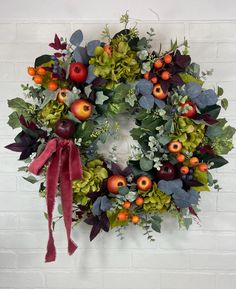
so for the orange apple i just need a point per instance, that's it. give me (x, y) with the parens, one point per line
(114, 182)
(144, 183)
(158, 92)
(61, 96)
(81, 108)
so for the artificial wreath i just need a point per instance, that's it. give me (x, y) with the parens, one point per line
(72, 108)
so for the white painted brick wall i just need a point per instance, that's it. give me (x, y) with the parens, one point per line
(202, 258)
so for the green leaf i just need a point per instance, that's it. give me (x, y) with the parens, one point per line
(23, 169)
(18, 104)
(31, 179)
(71, 116)
(42, 59)
(13, 120)
(224, 103)
(70, 98)
(218, 161)
(48, 96)
(156, 223)
(123, 190)
(220, 91)
(101, 97)
(145, 164)
(187, 222)
(45, 215)
(187, 78)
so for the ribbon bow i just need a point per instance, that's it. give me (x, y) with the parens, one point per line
(65, 166)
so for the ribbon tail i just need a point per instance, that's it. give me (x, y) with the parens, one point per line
(51, 187)
(67, 198)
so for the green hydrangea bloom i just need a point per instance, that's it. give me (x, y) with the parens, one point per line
(93, 176)
(51, 113)
(188, 133)
(122, 63)
(155, 200)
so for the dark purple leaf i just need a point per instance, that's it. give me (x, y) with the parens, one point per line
(207, 118)
(176, 79)
(92, 220)
(192, 211)
(95, 231)
(25, 154)
(164, 85)
(181, 60)
(207, 149)
(115, 168)
(104, 222)
(57, 54)
(16, 147)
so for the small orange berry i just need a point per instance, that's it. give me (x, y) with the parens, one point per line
(180, 158)
(167, 58)
(158, 64)
(146, 75)
(184, 170)
(203, 167)
(41, 71)
(122, 216)
(37, 79)
(194, 161)
(154, 80)
(139, 201)
(165, 75)
(135, 219)
(126, 205)
(31, 71)
(52, 85)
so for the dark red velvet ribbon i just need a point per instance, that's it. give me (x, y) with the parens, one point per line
(64, 166)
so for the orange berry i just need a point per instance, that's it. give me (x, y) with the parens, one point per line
(135, 219)
(52, 85)
(165, 75)
(31, 71)
(167, 58)
(41, 71)
(158, 64)
(122, 216)
(38, 79)
(184, 170)
(126, 205)
(154, 80)
(194, 161)
(180, 158)
(146, 75)
(139, 201)
(203, 167)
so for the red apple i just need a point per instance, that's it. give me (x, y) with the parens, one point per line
(65, 128)
(81, 108)
(114, 182)
(166, 172)
(78, 72)
(192, 110)
(144, 183)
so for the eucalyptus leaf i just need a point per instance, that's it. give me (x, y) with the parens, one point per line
(76, 38)
(145, 164)
(146, 101)
(224, 103)
(91, 46)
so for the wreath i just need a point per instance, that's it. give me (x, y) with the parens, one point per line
(72, 111)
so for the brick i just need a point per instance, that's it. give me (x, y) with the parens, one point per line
(7, 260)
(6, 130)
(226, 51)
(224, 31)
(10, 162)
(7, 32)
(182, 280)
(160, 260)
(222, 71)
(7, 72)
(21, 72)
(208, 202)
(8, 183)
(140, 279)
(226, 281)
(8, 221)
(202, 51)
(20, 280)
(41, 32)
(32, 221)
(10, 90)
(226, 241)
(20, 52)
(226, 202)
(83, 280)
(226, 262)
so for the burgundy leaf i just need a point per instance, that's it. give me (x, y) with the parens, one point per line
(192, 211)
(207, 118)
(95, 231)
(16, 147)
(206, 149)
(104, 222)
(57, 54)
(181, 60)
(92, 220)
(25, 154)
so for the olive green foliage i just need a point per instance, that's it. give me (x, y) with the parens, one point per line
(51, 113)
(93, 176)
(188, 133)
(155, 200)
(122, 63)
